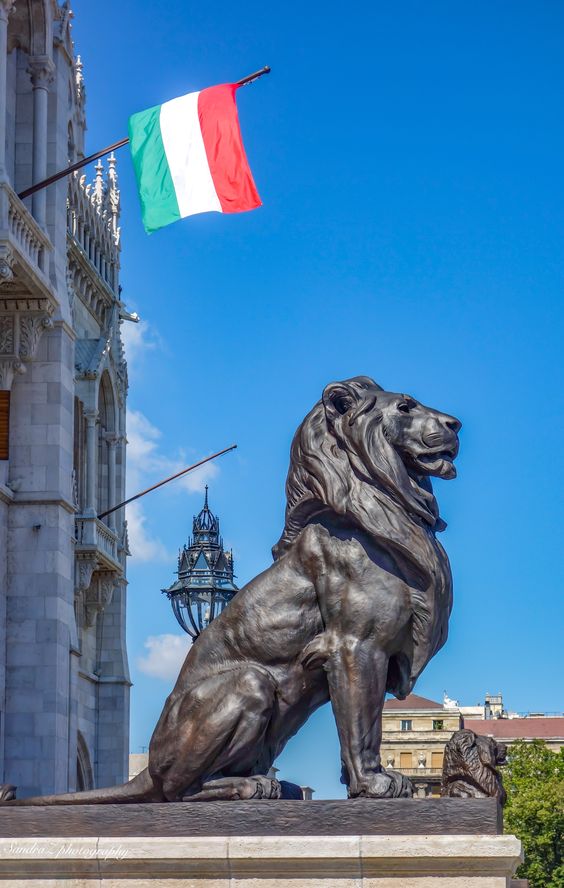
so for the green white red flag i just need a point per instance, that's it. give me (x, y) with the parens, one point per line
(189, 158)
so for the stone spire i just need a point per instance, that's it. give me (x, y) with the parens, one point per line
(79, 80)
(113, 198)
(99, 183)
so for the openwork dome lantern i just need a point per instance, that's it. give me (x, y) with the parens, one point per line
(205, 575)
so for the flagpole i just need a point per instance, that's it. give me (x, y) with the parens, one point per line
(165, 481)
(113, 147)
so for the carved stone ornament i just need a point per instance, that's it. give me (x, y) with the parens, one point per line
(360, 528)
(85, 567)
(124, 539)
(7, 335)
(9, 369)
(98, 596)
(42, 71)
(31, 328)
(6, 265)
(84, 571)
(74, 490)
(20, 332)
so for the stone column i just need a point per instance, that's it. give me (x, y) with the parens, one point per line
(5, 9)
(112, 491)
(91, 474)
(41, 69)
(120, 514)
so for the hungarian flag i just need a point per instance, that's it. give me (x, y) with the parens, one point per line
(189, 158)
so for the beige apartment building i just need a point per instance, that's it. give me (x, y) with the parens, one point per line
(415, 731)
(414, 734)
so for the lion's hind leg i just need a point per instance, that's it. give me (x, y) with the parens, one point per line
(220, 727)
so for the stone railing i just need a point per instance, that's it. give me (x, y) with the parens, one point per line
(22, 232)
(106, 540)
(93, 536)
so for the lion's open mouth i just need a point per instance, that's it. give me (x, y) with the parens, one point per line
(439, 462)
(436, 455)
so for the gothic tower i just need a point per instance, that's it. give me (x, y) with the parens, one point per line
(64, 679)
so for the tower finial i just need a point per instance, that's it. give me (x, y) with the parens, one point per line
(206, 499)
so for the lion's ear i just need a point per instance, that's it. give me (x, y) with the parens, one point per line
(338, 399)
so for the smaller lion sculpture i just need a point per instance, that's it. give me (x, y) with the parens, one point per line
(470, 767)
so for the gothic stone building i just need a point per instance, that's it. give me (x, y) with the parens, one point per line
(64, 680)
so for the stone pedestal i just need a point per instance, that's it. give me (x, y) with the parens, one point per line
(428, 844)
(261, 862)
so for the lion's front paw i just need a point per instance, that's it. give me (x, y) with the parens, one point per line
(384, 785)
(233, 789)
(7, 792)
(258, 787)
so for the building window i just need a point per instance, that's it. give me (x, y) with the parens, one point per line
(406, 724)
(406, 760)
(438, 724)
(437, 760)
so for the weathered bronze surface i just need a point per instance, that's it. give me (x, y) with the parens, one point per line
(470, 767)
(364, 817)
(356, 604)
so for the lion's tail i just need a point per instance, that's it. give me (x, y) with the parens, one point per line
(141, 789)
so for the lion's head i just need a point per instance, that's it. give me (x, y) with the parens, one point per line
(470, 767)
(366, 455)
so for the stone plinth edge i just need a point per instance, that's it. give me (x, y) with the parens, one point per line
(353, 861)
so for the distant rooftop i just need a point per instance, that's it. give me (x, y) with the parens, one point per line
(413, 701)
(518, 728)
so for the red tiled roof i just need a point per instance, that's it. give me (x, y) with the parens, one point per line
(413, 701)
(519, 728)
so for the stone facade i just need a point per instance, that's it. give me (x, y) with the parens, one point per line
(64, 679)
(414, 733)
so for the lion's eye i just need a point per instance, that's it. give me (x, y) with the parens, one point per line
(406, 405)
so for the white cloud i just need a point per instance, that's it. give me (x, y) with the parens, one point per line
(165, 655)
(196, 481)
(146, 465)
(147, 458)
(138, 339)
(142, 544)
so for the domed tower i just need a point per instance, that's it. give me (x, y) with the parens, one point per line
(205, 575)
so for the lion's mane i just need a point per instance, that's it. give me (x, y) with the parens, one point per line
(328, 473)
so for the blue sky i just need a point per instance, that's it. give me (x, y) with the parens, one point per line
(409, 158)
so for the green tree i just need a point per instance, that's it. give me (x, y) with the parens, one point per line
(534, 781)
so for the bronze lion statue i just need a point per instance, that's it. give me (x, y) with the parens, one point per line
(470, 767)
(355, 604)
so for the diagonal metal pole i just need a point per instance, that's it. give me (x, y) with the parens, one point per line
(250, 78)
(165, 481)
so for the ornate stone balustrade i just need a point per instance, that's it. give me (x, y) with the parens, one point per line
(95, 538)
(27, 301)
(24, 246)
